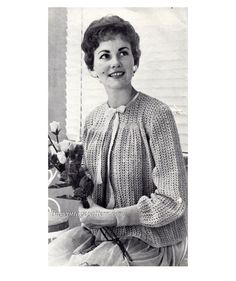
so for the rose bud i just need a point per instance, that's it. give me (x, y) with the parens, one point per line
(55, 127)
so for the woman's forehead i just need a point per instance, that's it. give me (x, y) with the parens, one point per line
(114, 41)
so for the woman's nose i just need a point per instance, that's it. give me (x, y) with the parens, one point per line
(115, 62)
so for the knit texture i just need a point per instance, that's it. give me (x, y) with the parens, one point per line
(146, 169)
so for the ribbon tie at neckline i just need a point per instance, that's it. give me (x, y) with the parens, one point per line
(111, 111)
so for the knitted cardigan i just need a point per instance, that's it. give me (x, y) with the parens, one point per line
(146, 169)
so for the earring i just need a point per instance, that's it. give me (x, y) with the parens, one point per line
(93, 74)
(134, 68)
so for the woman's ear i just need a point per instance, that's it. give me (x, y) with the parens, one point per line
(93, 73)
(135, 69)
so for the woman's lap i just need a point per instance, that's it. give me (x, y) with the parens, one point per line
(78, 247)
(61, 249)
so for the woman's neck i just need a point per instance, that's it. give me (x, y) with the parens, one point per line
(118, 97)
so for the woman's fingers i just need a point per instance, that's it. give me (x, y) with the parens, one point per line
(92, 222)
(96, 216)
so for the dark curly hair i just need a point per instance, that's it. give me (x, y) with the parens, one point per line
(104, 29)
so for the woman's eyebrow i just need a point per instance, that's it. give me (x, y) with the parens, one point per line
(107, 51)
(123, 48)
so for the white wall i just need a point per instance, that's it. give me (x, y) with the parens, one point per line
(163, 65)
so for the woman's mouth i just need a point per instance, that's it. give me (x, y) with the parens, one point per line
(116, 74)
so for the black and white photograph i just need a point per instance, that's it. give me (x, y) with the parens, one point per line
(117, 140)
(117, 136)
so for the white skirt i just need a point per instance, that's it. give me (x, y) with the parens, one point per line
(79, 247)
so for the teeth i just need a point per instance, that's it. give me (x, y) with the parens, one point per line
(117, 74)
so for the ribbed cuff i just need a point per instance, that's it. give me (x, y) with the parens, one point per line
(127, 216)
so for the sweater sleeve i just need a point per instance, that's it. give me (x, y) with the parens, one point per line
(168, 202)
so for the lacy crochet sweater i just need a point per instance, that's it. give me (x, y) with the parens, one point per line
(146, 169)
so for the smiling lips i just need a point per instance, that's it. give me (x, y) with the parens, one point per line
(117, 74)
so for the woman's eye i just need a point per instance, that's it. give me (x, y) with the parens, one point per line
(104, 56)
(124, 53)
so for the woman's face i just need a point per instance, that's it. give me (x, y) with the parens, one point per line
(114, 63)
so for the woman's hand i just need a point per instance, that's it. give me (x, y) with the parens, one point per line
(96, 216)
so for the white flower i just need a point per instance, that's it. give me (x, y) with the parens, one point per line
(55, 127)
(64, 145)
(61, 157)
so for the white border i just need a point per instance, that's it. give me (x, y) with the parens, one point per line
(120, 3)
(211, 144)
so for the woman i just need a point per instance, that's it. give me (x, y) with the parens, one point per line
(133, 154)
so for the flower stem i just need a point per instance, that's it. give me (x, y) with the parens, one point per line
(53, 143)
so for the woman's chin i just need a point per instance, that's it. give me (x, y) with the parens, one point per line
(118, 84)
